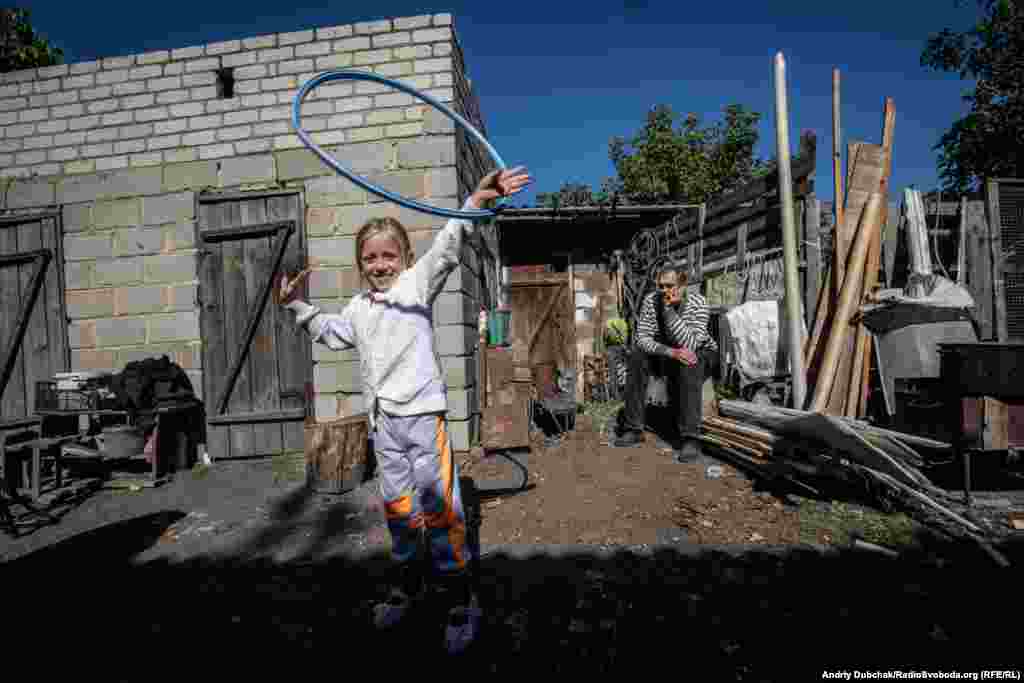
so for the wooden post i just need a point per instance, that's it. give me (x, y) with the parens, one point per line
(741, 259)
(996, 254)
(961, 250)
(812, 249)
(790, 254)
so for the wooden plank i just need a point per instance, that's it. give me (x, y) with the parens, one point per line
(261, 418)
(34, 352)
(294, 355)
(812, 257)
(995, 235)
(979, 268)
(262, 355)
(236, 317)
(995, 434)
(215, 364)
(56, 314)
(12, 400)
(890, 244)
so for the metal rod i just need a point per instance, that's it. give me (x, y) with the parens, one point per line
(789, 239)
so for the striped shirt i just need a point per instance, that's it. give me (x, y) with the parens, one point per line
(687, 328)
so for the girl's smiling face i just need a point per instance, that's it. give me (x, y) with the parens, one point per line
(381, 261)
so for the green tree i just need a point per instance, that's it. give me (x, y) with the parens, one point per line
(989, 140)
(690, 162)
(20, 46)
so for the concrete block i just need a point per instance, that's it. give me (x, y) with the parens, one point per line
(163, 128)
(151, 114)
(224, 46)
(109, 163)
(351, 44)
(452, 308)
(138, 241)
(145, 72)
(297, 164)
(203, 137)
(117, 213)
(406, 23)
(187, 109)
(194, 175)
(404, 183)
(170, 268)
(442, 49)
(140, 131)
(182, 297)
(238, 59)
(324, 284)
(295, 66)
(391, 39)
(165, 83)
(33, 115)
(80, 247)
(438, 151)
(78, 275)
(93, 360)
(187, 52)
(120, 331)
(462, 403)
(148, 159)
(29, 158)
(373, 56)
(198, 80)
(67, 110)
(53, 71)
(77, 217)
(179, 237)
(413, 52)
(335, 61)
(333, 190)
(116, 119)
(432, 35)
(136, 300)
(321, 221)
(63, 154)
(130, 147)
(75, 82)
(29, 194)
(295, 37)
(217, 151)
(462, 433)
(248, 169)
(370, 27)
(332, 32)
(313, 49)
(168, 208)
(173, 97)
(111, 185)
(459, 371)
(208, 64)
(287, 142)
(402, 130)
(82, 335)
(276, 55)
(116, 272)
(253, 146)
(90, 304)
(219, 106)
(332, 252)
(326, 407)
(79, 167)
(178, 326)
(456, 340)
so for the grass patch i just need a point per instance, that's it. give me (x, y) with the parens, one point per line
(835, 521)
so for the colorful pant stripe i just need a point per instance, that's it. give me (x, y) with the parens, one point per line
(419, 482)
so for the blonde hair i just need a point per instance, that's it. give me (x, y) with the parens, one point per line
(383, 226)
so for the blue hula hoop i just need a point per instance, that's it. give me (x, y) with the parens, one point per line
(354, 75)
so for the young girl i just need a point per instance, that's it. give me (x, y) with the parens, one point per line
(391, 327)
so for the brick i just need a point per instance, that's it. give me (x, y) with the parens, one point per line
(32, 193)
(172, 97)
(130, 88)
(459, 371)
(372, 56)
(28, 158)
(206, 93)
(112, 77)
(63, 154)
(73, 82)
(145, 72)
(276, 55)
(32, 115)
(118, 62)
(216, 151)
(170, 127)
(336, 61)
(392, 69)
(182, 297)
(78, 275)
(432, 65)
(367, 27)
(351, 44)
(405, 183)
(111, 163)
(199, 79)
(114, 185)
(287, 142)
(424, 153)
(393, 100)
(130, 147)
(177, 156)
(118, 213)
(443, 19)
(455, 340)
(234, 133)
(170, 268)
(253, 146)
(178, 237)
(53, 71)
(297, 164)
(168, 208)
(84, 67)
(224, 46)
(148, 159)
(163, 142)
(137, 101)
(187, 52)
(77, 217)
(91, 304)
(189, 109)
(157, 57)
(101, 106)
(118, 271)
(406, 23)
(120, 331)
(275, 128)
(240, 59)
(20, 131)
(313, 49)
(138, 131)
(263, 100)
(193, 175)
(77, 248)
(151, 114)
(200, 122)
(218, 106)
(208, 64)
(115, 118)
(294, 37)
(236, 118)
(332, 137)
(252, 71)
(79, 167)
(101, 135)
(295, 66)
(275, 114)
(37, 142)
(332, 252)
(392, 39)
(249, 169)
(432, 35)
(204, 137)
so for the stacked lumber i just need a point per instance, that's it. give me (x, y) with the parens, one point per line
(838, 353)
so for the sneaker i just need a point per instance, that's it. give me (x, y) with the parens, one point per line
(463, 624)
(629, 439)
(689, 452)
(389, 613)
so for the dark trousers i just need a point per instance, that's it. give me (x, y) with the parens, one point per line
(685, 390)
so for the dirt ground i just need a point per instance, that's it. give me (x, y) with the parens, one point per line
(586, 491)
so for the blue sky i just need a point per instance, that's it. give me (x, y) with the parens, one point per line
(557, 80)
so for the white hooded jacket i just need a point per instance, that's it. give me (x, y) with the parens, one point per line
(393, 331)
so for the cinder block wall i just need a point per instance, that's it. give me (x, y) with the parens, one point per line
(121, 147)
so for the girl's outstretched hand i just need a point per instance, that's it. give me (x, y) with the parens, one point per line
(501, 183)
(285, 292)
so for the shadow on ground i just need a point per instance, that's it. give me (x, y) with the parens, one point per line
(737, 613)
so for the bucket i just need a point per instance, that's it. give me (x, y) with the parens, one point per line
(497, 327)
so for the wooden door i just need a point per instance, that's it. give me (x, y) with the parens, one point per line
(543, 320)
(256, 361)
(33, 321)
